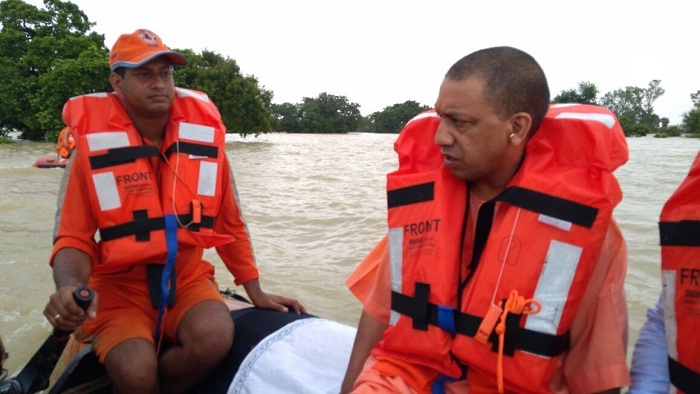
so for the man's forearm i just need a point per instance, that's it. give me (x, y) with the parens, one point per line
(71, 267)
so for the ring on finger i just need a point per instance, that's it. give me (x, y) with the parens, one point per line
(57, 317)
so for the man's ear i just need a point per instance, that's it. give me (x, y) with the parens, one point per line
(116, 81)
(521, 123)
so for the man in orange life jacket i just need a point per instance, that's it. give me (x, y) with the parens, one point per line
(667, 352)
(151, 176)
(470, 306)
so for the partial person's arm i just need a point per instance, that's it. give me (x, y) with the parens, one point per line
(650, 357)
(371, 283)
(73, 251)
(597, 359)
(369, 332)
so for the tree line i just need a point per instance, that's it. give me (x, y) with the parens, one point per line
(49, 55)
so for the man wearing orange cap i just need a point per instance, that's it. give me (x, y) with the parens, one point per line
(150, 176)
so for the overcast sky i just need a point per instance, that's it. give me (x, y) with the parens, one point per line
(378, 53)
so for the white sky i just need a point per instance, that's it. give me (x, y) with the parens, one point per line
(381, 52)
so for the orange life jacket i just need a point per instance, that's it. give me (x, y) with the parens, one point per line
(679, 228)
(543, 242)
(65, 143)
(128, 200)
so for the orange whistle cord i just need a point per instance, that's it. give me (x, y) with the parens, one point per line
(516, 304)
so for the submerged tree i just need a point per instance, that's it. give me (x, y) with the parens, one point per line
(585, 93)
(393, 118)
(49, 55)
(46, 56)
(245, 107)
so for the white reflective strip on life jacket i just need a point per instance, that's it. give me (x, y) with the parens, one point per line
(107, 140)
(552, 221)
(553, 286)
(191, 93)
(423, 115)
(196, 132)
(106, 188)
(668, 279)
(606, 119)
(207, 178)
(396, 258)
(98, 94)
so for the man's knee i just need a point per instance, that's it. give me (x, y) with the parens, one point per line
(132, 366)
(207, 330)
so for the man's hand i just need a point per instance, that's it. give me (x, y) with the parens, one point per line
(270, 301)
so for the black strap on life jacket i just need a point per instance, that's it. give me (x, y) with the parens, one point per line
(192, 149)
(425, 313)
(682, 233)
(123, 155)
(682, 377)
(411, 195)
(142, 226)
(556, 207)
(129, 154)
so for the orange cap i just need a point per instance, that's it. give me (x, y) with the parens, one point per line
(138, 48)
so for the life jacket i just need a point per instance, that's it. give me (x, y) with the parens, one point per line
(128, 200)
(679, 230)
(65, 143)
(543, 242)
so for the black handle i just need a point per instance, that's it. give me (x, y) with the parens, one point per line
(35, 375)
(83, 296)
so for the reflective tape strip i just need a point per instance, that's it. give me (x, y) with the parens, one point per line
(552, 221)
(553, 286)
(396, 258)
(191, 93)
(196, 132)
(668, 279)
(106, 188)
(606, 119)
(207, 178)
(107, 140)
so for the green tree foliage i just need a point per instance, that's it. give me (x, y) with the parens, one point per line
(392, 119)
(326, 113)
(585, 93)
(636, 105)
(245, 107)
(691, 119)
(287, 116)
(46, 56)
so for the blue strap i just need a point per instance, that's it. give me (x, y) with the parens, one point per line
(171, 243)
(446, 319)
(438, 388)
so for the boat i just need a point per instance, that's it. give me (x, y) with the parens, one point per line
(51, 162)
(65, 145)
(273, 352)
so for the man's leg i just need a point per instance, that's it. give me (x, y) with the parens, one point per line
(132, 367)
(204, 337)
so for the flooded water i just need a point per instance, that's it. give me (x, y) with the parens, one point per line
(315, 205)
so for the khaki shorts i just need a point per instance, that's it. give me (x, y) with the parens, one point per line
(124, 308)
